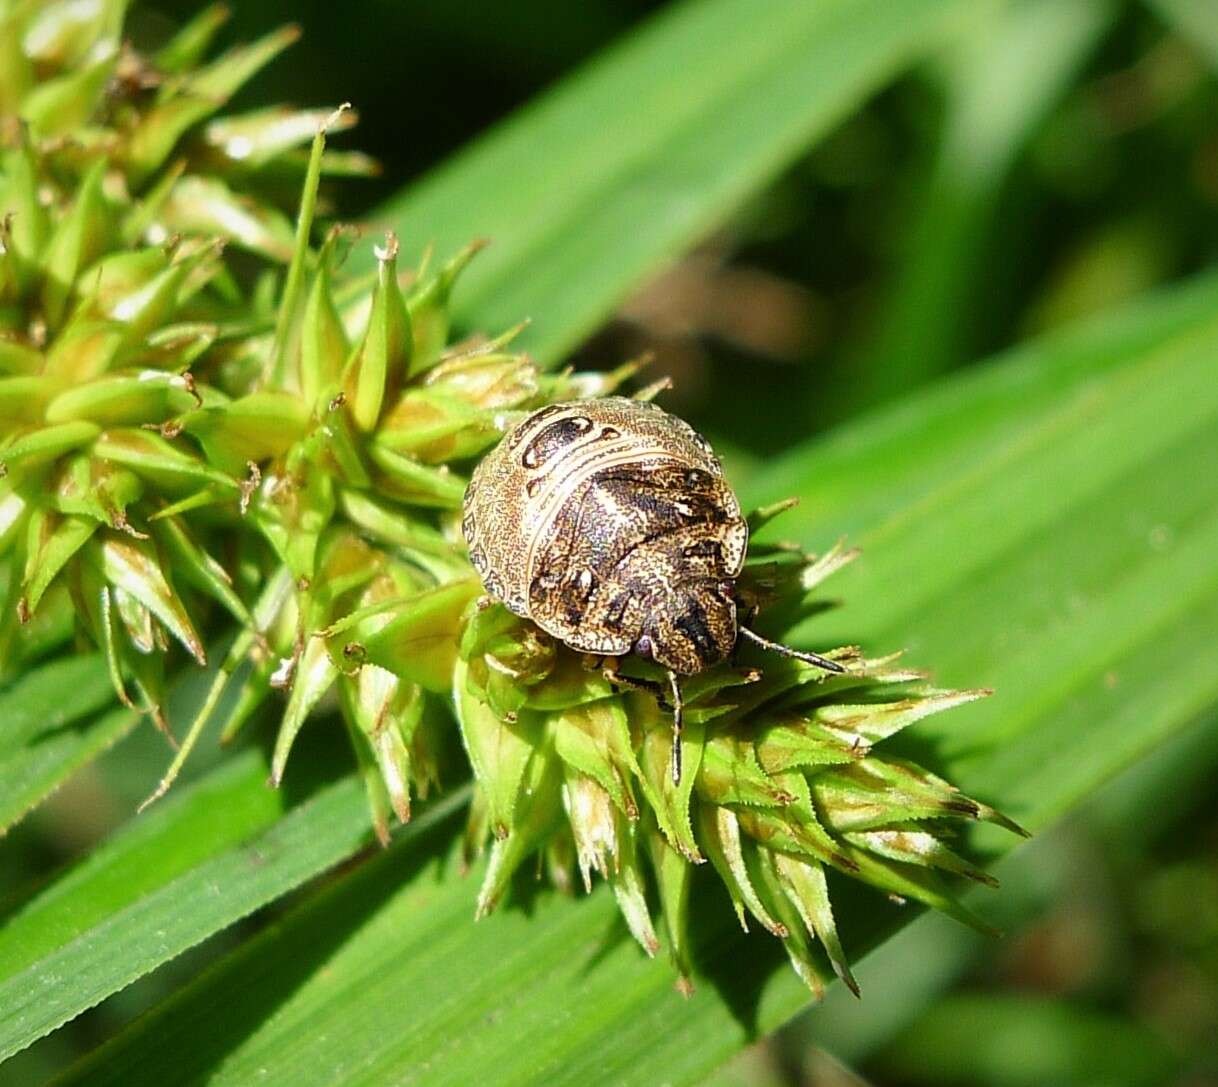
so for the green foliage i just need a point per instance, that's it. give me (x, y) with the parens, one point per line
(643, 153)
(253, 464)
(1063, 732)
(52, 727)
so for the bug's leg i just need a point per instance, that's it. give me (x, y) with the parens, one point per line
(678, 708)
(610, 671)
(656, 690)
(786, 651)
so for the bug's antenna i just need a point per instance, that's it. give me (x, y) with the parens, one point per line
(786, 651)
(677, 711)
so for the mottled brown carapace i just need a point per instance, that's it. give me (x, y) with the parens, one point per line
(610, 525)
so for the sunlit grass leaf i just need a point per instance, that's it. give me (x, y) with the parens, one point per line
(207, 857)
(199, 821)
(642, 153)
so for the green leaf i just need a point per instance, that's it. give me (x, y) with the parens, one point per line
(51, 727)
(1130, 812)
(586, 191)
(1115, 597)
(1000, 81)
(218, 813)
(208, 857)
(1087, 587)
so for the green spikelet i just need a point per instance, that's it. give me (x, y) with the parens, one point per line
(782, 778)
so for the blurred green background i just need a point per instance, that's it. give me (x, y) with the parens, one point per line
(1058, 160)
(1053, 161)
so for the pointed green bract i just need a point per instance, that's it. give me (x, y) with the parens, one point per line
(720, 833)
(499, 751)
(672, 872)
(376, 368)
(314, 675)
(189, 45)
(323, 340)
(593, 738)
(77, 240)
(53, 542)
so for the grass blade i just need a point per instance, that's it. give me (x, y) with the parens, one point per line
(598, 183)
(50, 725)
(1001, 83)
(213, 854)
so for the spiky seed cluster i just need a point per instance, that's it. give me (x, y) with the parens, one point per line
(781, 781)
(188, 448)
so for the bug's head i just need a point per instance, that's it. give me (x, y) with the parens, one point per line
(692, 627)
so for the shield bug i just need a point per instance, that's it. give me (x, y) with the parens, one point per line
(610, 525)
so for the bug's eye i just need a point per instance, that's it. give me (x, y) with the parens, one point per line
(644, 648)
